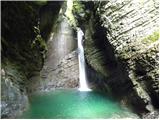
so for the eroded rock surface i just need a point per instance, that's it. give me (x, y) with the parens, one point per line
(14, 98)
(121, 46)
(64, 75)
(60, 69)
(23, 50)
(121, 51)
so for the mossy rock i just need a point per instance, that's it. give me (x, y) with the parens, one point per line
(152, 38)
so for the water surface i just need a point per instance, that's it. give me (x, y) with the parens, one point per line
(75, 104)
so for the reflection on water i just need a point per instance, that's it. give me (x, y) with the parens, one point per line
(75, 104)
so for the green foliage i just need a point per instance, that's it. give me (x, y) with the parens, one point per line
(78, 7)
(81, 11)
(76, 12)
(69, 13)
(152, 38)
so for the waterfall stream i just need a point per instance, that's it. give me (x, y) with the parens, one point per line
(82, 72)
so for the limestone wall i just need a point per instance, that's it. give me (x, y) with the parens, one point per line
(132, 30)
(14, 99)
(129, 20)
(60, 69)
(121, 39)
(64, 75)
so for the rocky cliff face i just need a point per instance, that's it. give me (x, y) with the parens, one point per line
(60, 69)
(14, 55)
(121, 46)
(121, 50)
(64, 75)
(23, 51)
(13, 96)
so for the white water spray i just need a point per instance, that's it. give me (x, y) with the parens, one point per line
(82, 72)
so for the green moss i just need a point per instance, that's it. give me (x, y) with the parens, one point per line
(39, 42)
(69, 13)
(75, 10)
(152, 38)
(78, 7)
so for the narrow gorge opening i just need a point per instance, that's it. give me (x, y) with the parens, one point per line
(79, 59)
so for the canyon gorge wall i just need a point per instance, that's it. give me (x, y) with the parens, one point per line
(23, 50)
(39, 51)
(121, 46)
(60, 69)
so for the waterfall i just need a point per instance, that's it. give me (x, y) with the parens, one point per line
(82, 72)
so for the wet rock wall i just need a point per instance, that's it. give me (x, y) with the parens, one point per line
(120, 44)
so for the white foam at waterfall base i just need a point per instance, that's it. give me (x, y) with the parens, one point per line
(82, 72)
